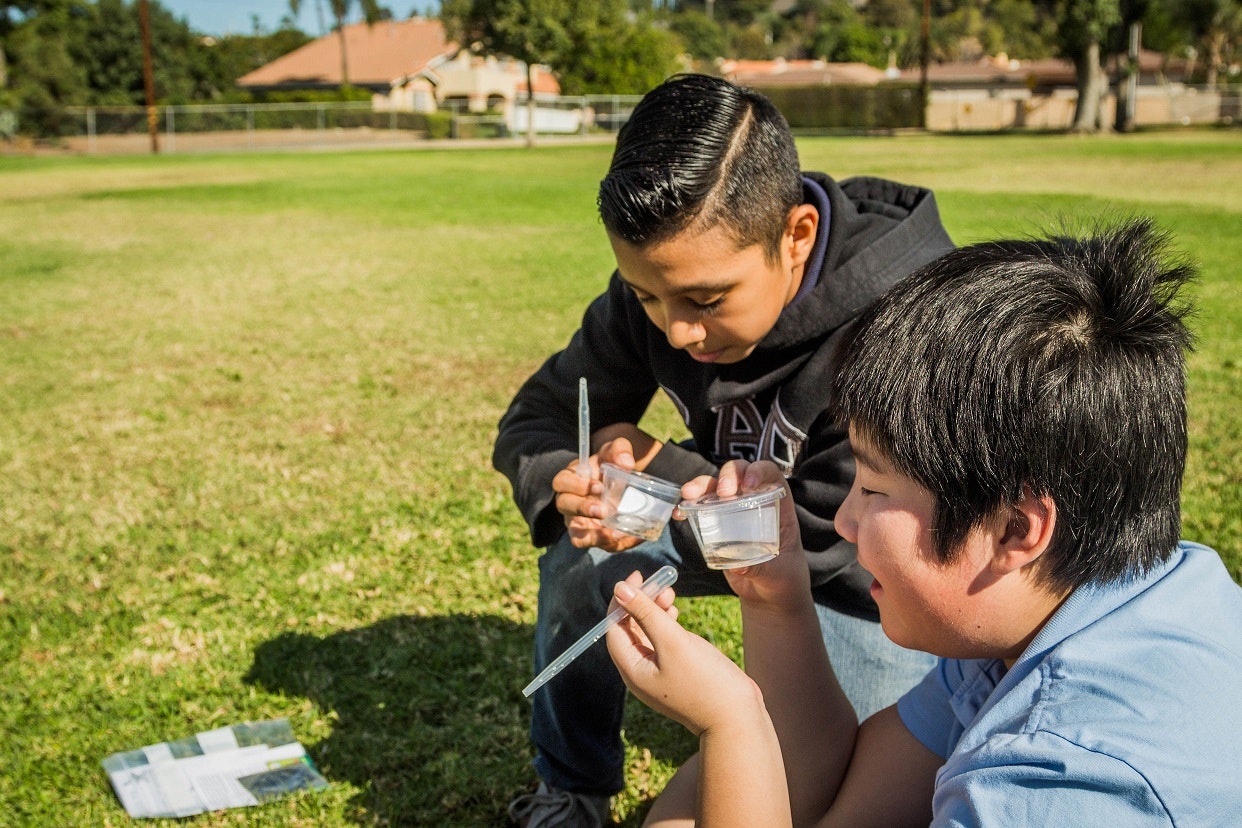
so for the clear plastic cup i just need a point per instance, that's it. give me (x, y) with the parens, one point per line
(741, 530)
(636, 503)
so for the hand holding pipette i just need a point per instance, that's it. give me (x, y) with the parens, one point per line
(664, 577)
(574, 498)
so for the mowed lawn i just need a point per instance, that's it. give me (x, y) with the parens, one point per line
(247, 405)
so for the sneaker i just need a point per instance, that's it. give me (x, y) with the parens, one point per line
(550, 807)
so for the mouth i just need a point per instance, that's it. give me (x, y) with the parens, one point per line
(876, 589)
(710, 356)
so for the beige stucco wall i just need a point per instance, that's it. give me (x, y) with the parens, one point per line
(983, 110)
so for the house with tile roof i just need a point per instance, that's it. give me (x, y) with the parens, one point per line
(407, 65)
(998, 92)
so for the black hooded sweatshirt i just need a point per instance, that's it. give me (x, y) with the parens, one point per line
(770, 405)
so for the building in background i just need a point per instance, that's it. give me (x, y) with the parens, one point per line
(408, 66)
(780, 72)
(998, 92)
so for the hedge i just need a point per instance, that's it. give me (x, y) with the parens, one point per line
(888, 106)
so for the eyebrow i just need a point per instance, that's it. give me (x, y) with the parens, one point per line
(704, 287)
(871, 461)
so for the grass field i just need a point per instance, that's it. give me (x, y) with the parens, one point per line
(246, 413)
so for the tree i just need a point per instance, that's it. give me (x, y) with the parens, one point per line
(632, 61)
(231, 56)
(532, 31)
(1025, 29)
(69, 53)
(44, 76)
(1082, 27)
(702, 37)
(371, 13)
(588, 44)
(12, 14)
(106, 50)
(1213, 26)
(839, 34)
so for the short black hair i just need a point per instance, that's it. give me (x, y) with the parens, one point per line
(701, 150)
(1054, 366)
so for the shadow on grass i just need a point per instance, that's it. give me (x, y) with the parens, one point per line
(430, 721)
(431, 725)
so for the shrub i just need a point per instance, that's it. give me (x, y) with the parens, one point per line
(888, 106)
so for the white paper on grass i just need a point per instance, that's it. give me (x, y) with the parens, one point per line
(213, 741)
(211, 771)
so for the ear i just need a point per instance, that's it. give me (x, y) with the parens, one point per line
(1024, 531)
(801, 225)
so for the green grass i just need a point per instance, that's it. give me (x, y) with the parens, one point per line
(246, 413)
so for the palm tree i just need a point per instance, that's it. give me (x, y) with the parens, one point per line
(371, 12)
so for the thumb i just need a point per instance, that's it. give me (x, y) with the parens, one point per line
(620, 453)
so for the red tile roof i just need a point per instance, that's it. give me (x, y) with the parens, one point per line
(799, 73)
(999, 71)
(991, 71)
(545, 82)
(378, 54)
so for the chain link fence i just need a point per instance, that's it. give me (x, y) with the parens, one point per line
(243, 127)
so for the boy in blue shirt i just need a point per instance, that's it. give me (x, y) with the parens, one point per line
(1017, 414)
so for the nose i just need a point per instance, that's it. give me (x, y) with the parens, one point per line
(846, 520)
(682, 332)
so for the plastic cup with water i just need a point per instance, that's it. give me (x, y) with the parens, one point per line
(636, 503)
(739, 530)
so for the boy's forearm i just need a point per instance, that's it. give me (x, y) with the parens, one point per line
(742, 779)
(812, 717)
(531, 477)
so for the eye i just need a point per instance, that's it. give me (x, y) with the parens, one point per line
(708, 308)
(643, 298)
(863, 490)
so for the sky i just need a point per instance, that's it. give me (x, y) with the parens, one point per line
(220, 17)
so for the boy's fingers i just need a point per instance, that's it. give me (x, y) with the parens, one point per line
(760, 474)
(619, 452)
(653, 619)
(665, 599)
(729, 482)
(568, 483)
(697, 487)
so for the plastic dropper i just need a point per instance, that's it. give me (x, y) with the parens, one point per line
(584, 430)
(664, 577)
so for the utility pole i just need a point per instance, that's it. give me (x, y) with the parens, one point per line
(148, 75)
(924, 58)
(1132, 76)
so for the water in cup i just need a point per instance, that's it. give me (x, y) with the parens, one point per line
(741, 530)
(732, 554)
(636, 503)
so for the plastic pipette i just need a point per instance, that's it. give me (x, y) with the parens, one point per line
(584, 430)
(653, 586)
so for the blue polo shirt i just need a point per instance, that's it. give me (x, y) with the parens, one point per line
(1126, 710)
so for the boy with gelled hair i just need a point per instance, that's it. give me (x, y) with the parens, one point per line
(737, 274)
(1017, 412)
